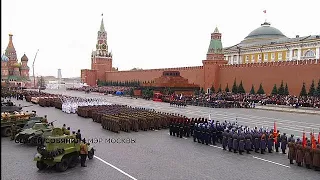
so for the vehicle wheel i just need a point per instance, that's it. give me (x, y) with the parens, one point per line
(7, 132)
(41, 165)
(73, 161)
(63, 165)
(91, 154)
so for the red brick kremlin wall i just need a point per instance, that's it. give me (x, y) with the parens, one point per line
(294, 73)
(272, 73)
(193, 74)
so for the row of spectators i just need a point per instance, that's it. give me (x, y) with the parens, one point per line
(288, 100)
(223, 97)
(103, 89)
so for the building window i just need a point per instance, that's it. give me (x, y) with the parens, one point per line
(288, 55)
(235, 59)
(272, 56)
(252, 58)
(309, 54)
(265, 56)
(247, 58)
(259, 57)
(279, 55)
(295, 52)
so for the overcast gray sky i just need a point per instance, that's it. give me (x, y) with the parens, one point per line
(141, 33)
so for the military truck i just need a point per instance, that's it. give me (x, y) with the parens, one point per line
(34, 135)
(20, 120)
(61, 151)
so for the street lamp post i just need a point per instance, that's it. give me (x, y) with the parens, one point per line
(34, 78)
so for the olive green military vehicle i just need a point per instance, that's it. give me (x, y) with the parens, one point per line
(35, 134)
(61, 151)
(7, 120)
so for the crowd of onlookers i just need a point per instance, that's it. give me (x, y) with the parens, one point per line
(220, 98)
(102, 89)
(289, 100)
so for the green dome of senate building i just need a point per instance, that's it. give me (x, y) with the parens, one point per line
(263, 33)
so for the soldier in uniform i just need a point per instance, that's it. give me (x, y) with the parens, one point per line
(67, 132)
(213, 133)
(207, 134)
(230, 141)
(83, 153)
(199, 132)
(64, 128)
(308, 155)
(187, 128)
(195, 134)
(284, 142)
(192, 127)
(225, 139)
(316, 158)
(171, 127)
(256, 141)
(270, 142)
(263, 143)
(78, 135)
(299, 152)
(235, 142)
(181, 127)
(248, 142)
(292, 151)
(13, 131)
(241, 142)
(277, 143)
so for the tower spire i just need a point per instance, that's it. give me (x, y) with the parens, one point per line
(102, 24)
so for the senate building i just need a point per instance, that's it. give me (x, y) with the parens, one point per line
(266, 56)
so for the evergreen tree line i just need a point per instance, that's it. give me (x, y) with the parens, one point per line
(312, 90)
(119, 83)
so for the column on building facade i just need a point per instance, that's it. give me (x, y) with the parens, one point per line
(317, 53)
(299, 54)
(290, 54)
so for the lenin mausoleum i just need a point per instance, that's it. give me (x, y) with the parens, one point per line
(266, 56)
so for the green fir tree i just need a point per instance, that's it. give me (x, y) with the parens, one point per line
(234, 87)
(286, 90)
(281, 89)
(274, 90)
(312, 89)
(252, 91)
(219, 90)
(227, 88)
(260, 90)
(212, 89)
(303, 91)
(240, 88)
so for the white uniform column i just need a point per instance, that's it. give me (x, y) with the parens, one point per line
(317, 53)
(299, 54)
(290, 54)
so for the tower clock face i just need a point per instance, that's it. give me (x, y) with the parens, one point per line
(104, 46)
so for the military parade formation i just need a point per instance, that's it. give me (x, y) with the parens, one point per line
(232, 136)
(238, 139)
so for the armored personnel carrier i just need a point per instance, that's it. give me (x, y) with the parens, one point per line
(34, 135)
(61, 151)
(20, 119)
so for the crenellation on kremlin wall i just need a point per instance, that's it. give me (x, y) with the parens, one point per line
(160, 69)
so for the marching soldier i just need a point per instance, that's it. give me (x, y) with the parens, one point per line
(316, 158)
(300, 153)
(270, 142)
(207, 134)
(248, 142)
(213, 134)
(171, 127)
(235, 143)
(192, 127)
(277, 143)
(224, 139)
(181, 127)
(195, 134)
(308, 155)
(241, 143)
(263, 143)
(230, 141)
(291, 153)
(284, 142)
(256, 142)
